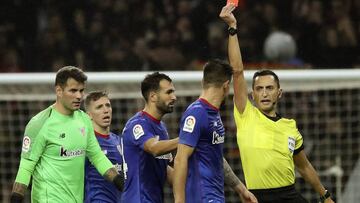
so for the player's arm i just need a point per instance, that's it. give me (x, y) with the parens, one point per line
(308, 172)
(180, 171)
(170, 174)
(32, 148)
(235, 59)
(158, 147)
(22, 180)
(234, 182)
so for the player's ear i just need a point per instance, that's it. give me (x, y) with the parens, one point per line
(58, 90)
(279, 93)
(226, 87)
(226, 84)
(153, 96)
(252, 95)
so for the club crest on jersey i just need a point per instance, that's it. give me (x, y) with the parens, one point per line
(82, 131)
(215, 124)
(26, 144)
(291, 144)
(189, 124)
(138, 131)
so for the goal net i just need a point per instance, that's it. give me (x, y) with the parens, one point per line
(325, 104)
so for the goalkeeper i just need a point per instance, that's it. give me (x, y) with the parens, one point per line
(55, 144)
(270, 145)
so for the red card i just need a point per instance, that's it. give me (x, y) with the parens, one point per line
(235, 2)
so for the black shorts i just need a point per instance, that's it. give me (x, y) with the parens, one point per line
(286, 194)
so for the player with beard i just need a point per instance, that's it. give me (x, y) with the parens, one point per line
(147, 145)
(200, 168)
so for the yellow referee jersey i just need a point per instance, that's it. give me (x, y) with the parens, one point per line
(266, 148)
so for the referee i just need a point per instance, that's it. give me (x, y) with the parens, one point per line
(270, 145)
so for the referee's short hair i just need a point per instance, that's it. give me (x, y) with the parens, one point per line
(264, 72)
(216, 72)
(151, 83)
(69, 72)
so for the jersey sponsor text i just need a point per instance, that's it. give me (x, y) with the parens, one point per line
(217, 139)
(165, 156)
(71, 153)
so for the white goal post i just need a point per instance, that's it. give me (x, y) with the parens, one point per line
(41, 84)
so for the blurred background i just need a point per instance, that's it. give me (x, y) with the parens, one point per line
(168, 35)
(133, 35)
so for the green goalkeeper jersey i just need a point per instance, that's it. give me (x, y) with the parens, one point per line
(53, 153)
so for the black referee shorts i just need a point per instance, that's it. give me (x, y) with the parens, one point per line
(286, 194)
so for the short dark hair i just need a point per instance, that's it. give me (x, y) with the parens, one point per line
(216, 72)
(151, 82)
(263, 73)
(69, 72)
(94, 96)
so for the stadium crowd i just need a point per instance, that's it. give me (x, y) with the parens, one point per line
(119, 35)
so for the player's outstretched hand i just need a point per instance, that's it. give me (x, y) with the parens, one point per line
(227, 15)
(248, 197)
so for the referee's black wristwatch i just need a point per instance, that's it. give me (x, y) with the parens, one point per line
(232, 31)
(325, 196)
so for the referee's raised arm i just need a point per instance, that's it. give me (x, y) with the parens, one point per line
(235, 59)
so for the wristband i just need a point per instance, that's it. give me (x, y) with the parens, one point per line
(325, 196)
(232, 31)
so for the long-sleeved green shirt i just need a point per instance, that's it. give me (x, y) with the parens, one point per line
(53, 153)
